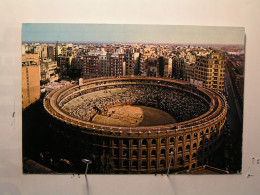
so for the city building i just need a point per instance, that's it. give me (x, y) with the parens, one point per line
(30, 79)
(23, 49)
(51, 53)
(152, 69)
(44, 51)
(104, 65)
(90, 66)
(117, 64)
(178, 68)
(210, 70)
(57, 50)
(64, 64)
(197, 65)
(189, 71)
(161, 64)
(142, 65)
(38, 50)
(77, 62)
(49, 70)
(168, 67)
(131, 62)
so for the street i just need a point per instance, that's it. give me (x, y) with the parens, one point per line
(233, 139)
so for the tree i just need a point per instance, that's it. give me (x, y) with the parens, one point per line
(102, 164)
(43, 82)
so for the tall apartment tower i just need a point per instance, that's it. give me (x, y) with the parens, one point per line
(168, 67)
(91, 67)
(30, 79)
(211, 70)
(142, 65)
(117, 65)
(161, 66)
(132, 62)
(44, 51)
(178, 68)
(57, 51)
(64, 63)
(129, 62)
(104, 65)
(50, 52)
(152, 69)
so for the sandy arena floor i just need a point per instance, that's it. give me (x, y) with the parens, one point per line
(133, 115)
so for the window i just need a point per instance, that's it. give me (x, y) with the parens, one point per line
(106, 142)
(125, 153)
(116, 153)
(171, 151)
(125, 142)
(171, 141)
(135, 142)
(144, 142)
(194, 146)
(125, 164)
(163, 141)
(144, 164)
(134, 164)
(116, 142)
(153, 154)
(144, 153)
(180, 161)
(162, 152)
(135, 154)
(187, 158)
(153, 164)
(195, 135)
(162, 163)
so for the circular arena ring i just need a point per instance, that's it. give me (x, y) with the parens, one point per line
(144, 124)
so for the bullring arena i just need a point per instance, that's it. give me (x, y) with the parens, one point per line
(143, 123)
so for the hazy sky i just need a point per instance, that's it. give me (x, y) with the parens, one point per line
(132, 33)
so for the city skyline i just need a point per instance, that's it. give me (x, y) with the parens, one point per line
(131, 33)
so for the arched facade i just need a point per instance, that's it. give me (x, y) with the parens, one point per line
(142, 149)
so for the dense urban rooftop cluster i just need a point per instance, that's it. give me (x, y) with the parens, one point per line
(201, 65)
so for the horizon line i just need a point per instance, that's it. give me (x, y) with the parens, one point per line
(130, 42)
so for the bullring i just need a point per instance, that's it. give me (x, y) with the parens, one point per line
(199, 116)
